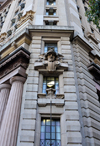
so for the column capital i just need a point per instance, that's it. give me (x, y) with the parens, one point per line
(5, 86)
(17, 78)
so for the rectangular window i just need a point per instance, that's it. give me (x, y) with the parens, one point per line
(22, 6)
(50, 132)
(51, 82)
(48, 46)
(19, 3)
(98, 93)
(16, 12)
(51, 2)
(51, 12)
(50, 22)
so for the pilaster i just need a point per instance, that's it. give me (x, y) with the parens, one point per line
(10, 121)
(5, 89)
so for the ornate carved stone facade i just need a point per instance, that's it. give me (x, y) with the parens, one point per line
(49, 74)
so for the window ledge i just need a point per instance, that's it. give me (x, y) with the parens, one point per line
(51, 16)
(43, 95)
(51, 6)
(57, 102)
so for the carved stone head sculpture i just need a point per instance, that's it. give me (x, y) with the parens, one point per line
(50, 55)
(51, 61)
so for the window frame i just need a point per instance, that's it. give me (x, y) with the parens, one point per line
(45, 125)
(52, 45)
(55, 84)
(52, 3)
(51, 40)
(53, 13)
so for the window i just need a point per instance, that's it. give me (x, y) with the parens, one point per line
(19, 15)
(83, 30)
(48, 46)
(22, 6)
(92, 30)
(9, 32)
(51, 2)
(98, 92)
(78, 8)
(16, 12)
(13, 21)
(85, 8)
(80, 19)
(50, 132)
(19, 3)
(51, 12)
(51, 82)
(83, 1)
(50, 22)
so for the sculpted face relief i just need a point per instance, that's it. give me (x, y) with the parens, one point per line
(51, 57)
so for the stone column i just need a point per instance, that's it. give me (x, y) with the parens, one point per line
(9, 128)
(5, 89)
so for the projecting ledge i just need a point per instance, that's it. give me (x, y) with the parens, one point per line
(57, 102)
(94, 70)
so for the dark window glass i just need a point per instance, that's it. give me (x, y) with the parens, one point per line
(22, 6)
(51, 82)
(51, 2)
(92, 30)
(19, 2)
(50, 132)
(98, 92)
(50, 22)
(51, 12)
(49, 46)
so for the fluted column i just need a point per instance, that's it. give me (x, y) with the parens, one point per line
(4, 94)
(9, 128)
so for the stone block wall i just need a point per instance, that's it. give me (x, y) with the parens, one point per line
(90, 106)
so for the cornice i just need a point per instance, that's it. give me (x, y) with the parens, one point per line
(28, 16)
(60, 30)
(5, 3)
(14, 43)
(18, 58)
(82, 42)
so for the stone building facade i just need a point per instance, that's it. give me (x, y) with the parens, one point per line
(49, 74)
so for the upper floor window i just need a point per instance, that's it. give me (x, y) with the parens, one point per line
(98, 93)
(13, 21)
(78, 8)
(48, 46)
(51, 82)
(16, 12)
(85, 8)
(83, 1)
(51, 12)
(19, 3)
(22, 6)
(51, 22)
(92, 30)
(51, 2)
(50, 132)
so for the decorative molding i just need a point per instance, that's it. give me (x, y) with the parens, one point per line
(83, 43)
(24, 40)
(55, 102)
(97, 61)
(20, 57)
(50, 94)
(92, 37)
(28, 16)
(3, 36)
(14, 45)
